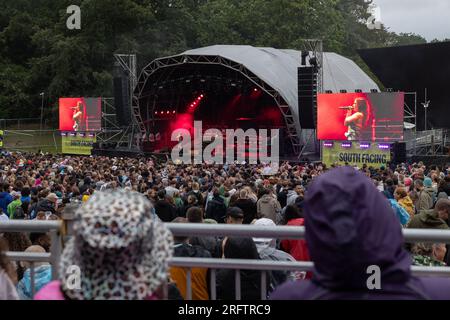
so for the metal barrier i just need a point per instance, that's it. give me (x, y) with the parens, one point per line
(51, 227)
(198, 230)
(279, 232)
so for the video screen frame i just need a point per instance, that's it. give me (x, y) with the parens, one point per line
(372, 117)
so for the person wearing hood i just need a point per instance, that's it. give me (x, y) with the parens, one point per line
(295, 247)
(16, 203)
(403, 199)
(434, 218)
(268, 207)
(42, 275)
(267, 251)
(121, 250)
(400, 212)
(5, 197)
(350, 229)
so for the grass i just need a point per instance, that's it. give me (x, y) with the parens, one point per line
(32, 141)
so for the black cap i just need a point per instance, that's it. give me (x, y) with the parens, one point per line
(235, 212)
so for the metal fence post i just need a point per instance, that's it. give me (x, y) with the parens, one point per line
(189, 284)
(213, 285)
(55, 250)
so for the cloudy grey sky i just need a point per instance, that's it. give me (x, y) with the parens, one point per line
(429, 18)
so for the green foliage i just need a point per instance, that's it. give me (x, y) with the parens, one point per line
(39, 54)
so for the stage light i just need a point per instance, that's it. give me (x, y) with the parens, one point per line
(384, 146)
(374, 90)
(343, 91)
(305, 54)
(174, 112)
(63, 134)
(168, 112)
(346, 145)
(256, 89)
(364, 145)
(201, 96)
(156, 112)
(328, 144)
(358, 91)
(328, 91)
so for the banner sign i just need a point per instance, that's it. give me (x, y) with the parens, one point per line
(78, 143)
(356, 154)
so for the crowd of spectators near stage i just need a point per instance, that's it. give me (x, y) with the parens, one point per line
(130, 199)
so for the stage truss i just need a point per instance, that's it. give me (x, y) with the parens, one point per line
(289, 118)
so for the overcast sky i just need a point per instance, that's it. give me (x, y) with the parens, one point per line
(428, 18)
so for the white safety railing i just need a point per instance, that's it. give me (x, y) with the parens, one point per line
(199, 230)
(53, 229)
(279, 232)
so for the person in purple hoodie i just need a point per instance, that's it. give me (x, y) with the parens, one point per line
(350, 227)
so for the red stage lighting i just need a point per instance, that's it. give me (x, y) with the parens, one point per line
(174, 112)
(256, 89)
(168, 112)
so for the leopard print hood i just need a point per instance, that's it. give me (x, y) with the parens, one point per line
(122, 252)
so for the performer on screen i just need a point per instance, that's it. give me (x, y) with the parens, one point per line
(357, 119)
(77, 116)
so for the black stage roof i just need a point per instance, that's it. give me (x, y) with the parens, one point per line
(415, 68)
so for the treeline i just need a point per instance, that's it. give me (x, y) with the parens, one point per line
(39, 54)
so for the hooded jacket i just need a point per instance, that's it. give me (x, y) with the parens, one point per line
(427, 219)
(296, 247)
(269, 207)
(408, 205)
(42, 276)
(349, 228)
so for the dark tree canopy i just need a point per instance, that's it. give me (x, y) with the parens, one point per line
(39, 54)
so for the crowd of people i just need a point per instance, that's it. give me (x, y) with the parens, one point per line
(353, 218)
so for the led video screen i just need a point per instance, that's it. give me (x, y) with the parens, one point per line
(361, 116)
(80, 114)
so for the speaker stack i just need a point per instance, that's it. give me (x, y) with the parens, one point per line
(307, 96)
